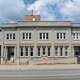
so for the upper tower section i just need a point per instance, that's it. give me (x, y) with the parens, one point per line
(31, 17)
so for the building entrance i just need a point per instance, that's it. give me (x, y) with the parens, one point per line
(10, 54)
(77, 53)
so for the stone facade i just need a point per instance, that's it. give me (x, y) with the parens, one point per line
(39, 42)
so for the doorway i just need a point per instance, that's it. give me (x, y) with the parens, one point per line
(10, 54)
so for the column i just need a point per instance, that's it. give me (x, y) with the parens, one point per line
(14, 53)
(41, 51)
(5, 54)
(59, 51)
(29, 51)
(46, 51)
(24, 51)
(34, 50)
(18, 55)
(63, 51)
(2, 52)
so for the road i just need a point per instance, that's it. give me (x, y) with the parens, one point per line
(40, 74)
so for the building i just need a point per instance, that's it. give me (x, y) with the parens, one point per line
(32, 41)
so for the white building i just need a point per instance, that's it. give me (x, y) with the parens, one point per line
(32, 41)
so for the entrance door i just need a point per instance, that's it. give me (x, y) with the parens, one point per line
(10, 54)
(77, 53)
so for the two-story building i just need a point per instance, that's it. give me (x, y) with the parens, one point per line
(32, 41)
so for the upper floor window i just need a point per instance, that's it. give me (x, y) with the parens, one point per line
(26, 36)
(76, 35)
(10, 36)
(43, 36)
(61, 35)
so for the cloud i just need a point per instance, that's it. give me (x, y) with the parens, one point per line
(49, 10)
(70, 9)
(57, 9)
(11, 9)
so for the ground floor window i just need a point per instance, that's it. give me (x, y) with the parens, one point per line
(31, 51)
(61, 51)
(21, 51)
(39, 51)
(49, 52)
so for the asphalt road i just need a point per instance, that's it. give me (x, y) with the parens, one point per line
(40, 74)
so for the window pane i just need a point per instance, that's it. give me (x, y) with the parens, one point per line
(26, 35)
(64, 35)
(31, 51)
(57, 35)
(61, 51)
(29, 35)
(46, 35)
(23, 35)
(27, 51)
(48, 51)
(43, 35)
(13, 36)
(21, 51)
(40, 35)
(43, 51)
(7, 36)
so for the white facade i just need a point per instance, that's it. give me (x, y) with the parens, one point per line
(39, 42)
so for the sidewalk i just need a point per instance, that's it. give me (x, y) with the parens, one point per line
(39, 67)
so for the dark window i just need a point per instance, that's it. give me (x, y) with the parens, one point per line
(43, 35)
(40, 35)
(61, 51)
(26, 51)
(13, 36)
(29, 35)
(23, 35)
(31, 51)
(38, 51)
(21, 51)
(26, 35)
(57, 35)
(48, 51)
(46, 35)
(64, 35)
(44, 51)
(61, 35)
(7, 36)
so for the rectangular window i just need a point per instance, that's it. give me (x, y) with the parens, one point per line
(26, 51)
(13, 36)
(48, 51)
(40, 35)
(31, 51)
(43, 50)
(43, 35)
(38, 51)
(56, 51)
(23, 35)
(10, 36)
(57, 35)
(7, 36)
(46, 35)
(21, 53)
(29, 35)
(61, 51)
(26, 35)
(64, 35)
(66, 51)
(61, 35)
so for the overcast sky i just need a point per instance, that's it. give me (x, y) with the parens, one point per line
(50, 10)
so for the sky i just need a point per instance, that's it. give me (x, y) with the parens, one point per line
(50, 10)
